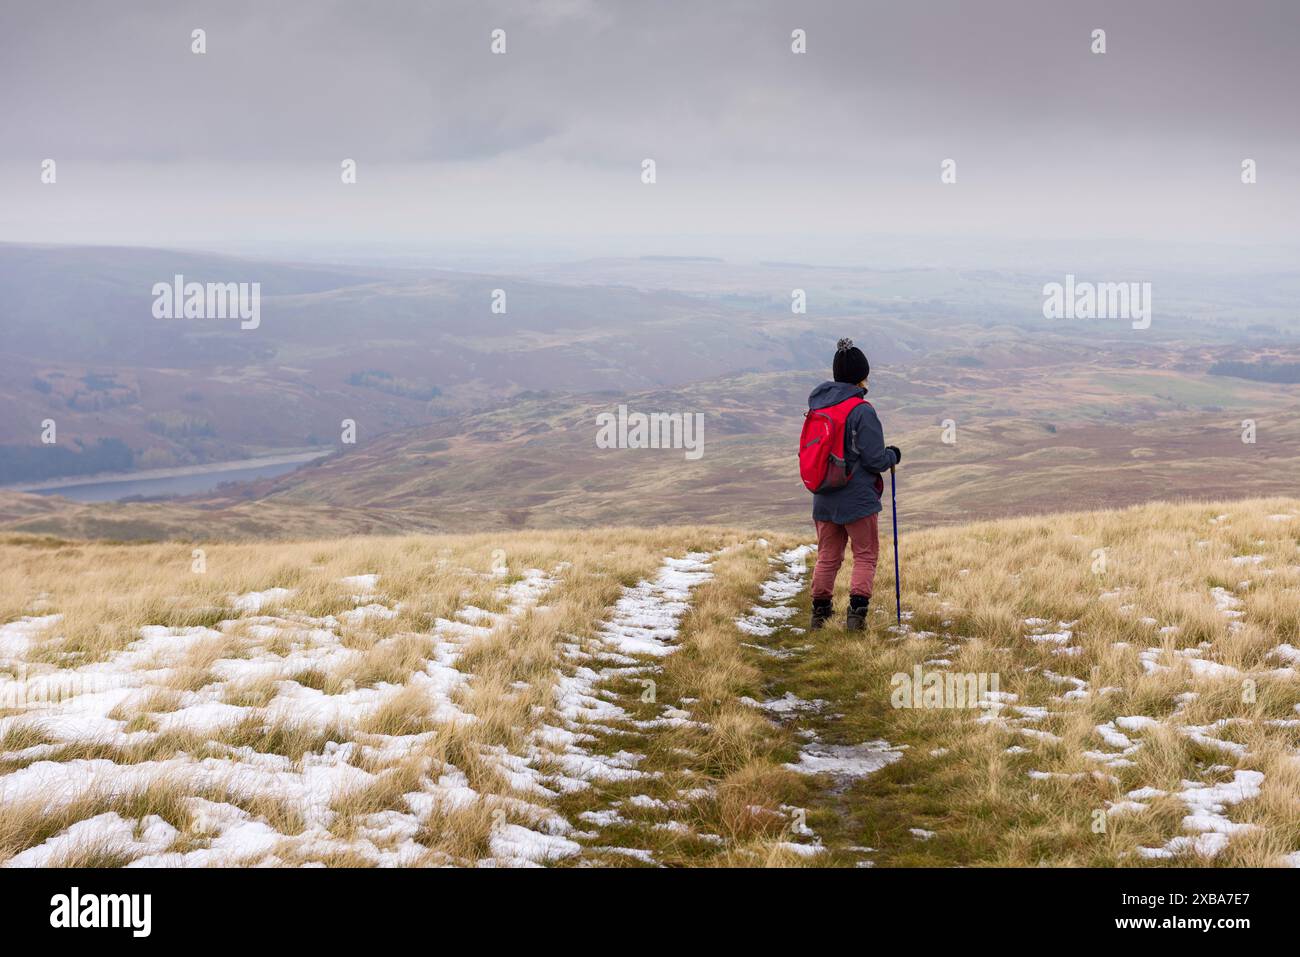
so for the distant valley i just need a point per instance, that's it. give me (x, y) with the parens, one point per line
(464, 418)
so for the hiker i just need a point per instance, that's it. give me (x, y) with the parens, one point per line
(846, 482)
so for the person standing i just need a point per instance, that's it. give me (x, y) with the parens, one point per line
(850, 513)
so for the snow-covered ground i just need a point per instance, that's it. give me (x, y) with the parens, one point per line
(247, 650)
(642, 628)
(275, 724)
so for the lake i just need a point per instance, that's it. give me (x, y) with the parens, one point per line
(112, 490)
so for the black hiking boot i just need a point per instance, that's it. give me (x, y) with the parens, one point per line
(857, 617)
(821, 613)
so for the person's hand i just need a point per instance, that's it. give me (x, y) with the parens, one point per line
(898, 456)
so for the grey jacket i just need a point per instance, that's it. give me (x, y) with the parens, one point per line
(865, 453)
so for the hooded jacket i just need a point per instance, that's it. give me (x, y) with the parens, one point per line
(865, 453)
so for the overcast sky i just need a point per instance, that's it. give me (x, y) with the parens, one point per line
(156, 145)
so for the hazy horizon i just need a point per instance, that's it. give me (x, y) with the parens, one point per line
(860, 253)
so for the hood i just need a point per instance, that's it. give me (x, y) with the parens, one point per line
(833, 393)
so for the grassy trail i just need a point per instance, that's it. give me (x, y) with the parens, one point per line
(1095, 689)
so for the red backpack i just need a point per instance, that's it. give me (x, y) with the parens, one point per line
(821, 446)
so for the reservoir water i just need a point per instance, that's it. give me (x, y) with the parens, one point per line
(114, 489)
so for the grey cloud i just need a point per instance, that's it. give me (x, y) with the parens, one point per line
(411, 81)
(710, 89)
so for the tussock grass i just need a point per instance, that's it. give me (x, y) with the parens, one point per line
(972, 588)
(319, 686)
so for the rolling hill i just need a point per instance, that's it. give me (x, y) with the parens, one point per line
(1066, 428)
(387, 348)
(466, 419)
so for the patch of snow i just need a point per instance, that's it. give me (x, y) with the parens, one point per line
(788, 703)
(640, 854)
(17, 637)
(776, 592)
(254, 601)
(803, 850)
(845, 760)
(647, 616)
(1206, 805)
(364, 584)
(517, 845)
(107, 833)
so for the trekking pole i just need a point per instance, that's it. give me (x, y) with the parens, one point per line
(898, 588)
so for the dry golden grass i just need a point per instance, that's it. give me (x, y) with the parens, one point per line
(305, 643)
(970, 590)
(403, 735)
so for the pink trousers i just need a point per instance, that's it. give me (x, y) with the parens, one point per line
(831, 538)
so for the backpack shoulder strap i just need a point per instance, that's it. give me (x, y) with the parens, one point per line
(851, 440)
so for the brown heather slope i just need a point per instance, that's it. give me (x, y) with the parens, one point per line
(1065, 430)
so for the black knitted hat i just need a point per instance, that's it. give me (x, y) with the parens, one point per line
(850, 363)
